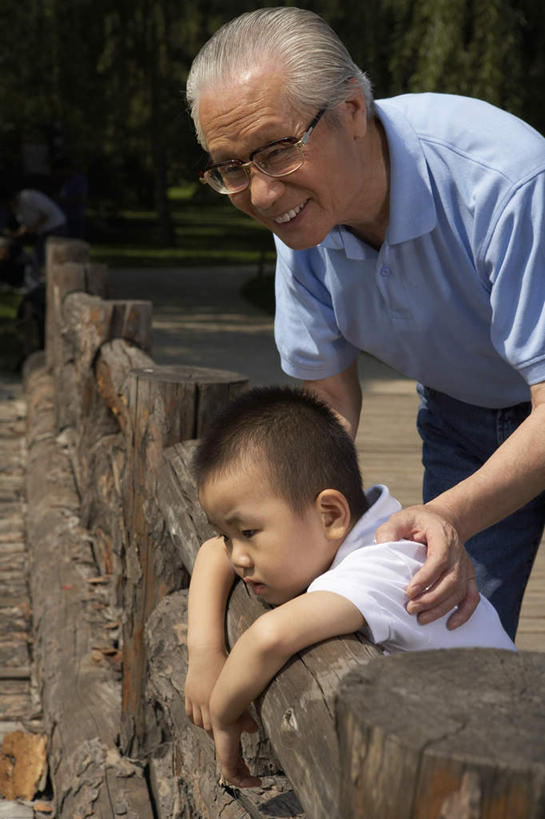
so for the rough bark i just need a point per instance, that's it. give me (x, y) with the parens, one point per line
(88, 322)
(455, 734)
(62, 280)
(193, 766)
(102, 458)
(76, 660)
(165, 405)
(59, 252)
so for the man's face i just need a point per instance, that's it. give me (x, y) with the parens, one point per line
(303, 207)
(274, 550)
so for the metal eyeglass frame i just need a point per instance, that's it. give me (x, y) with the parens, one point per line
(245, 166)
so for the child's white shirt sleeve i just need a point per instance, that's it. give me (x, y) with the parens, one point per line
(374, 578)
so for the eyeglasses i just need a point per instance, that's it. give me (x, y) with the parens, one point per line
(278, 158)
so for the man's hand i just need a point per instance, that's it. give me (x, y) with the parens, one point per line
(447, 579)
(203, 670)
(227, 740)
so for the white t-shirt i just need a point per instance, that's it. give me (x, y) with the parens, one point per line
(31, 206)
(374, 578)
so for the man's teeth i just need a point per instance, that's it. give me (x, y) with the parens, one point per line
(291, 214)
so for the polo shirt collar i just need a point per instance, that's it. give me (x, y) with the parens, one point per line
(412, 209)
(382, 506)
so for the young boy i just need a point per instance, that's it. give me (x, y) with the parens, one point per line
(279, 481)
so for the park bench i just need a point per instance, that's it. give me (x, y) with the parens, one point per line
(114, 527)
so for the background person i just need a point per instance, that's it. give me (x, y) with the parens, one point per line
(412, 228)
(38, 217)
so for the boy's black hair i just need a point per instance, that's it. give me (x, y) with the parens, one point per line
(295, 435)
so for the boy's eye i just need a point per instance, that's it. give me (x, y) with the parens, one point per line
(249, 532)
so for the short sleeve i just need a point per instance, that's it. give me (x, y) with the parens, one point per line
(307, 334)
(374, 578)
(515, 259)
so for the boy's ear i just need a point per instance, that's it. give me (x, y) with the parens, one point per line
(334, 512)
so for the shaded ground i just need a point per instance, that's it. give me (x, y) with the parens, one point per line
(200, 318)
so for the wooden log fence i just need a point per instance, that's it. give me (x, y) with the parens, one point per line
(114, 530)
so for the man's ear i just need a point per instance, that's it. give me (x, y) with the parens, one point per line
(334, 512)
(354, 110)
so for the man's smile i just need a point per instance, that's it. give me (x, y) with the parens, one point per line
(290, 214)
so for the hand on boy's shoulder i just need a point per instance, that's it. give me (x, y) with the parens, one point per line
(447, 579)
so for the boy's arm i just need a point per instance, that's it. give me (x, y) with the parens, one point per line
(211, 581)
(256, 657)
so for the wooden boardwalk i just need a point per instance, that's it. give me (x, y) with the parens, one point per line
(22, 768)
(389, 450)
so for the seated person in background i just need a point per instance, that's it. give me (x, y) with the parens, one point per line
(37, 216)
(279, 481)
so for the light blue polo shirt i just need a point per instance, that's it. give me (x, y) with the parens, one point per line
(455, 296)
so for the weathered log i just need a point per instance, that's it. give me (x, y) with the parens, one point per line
(297, 708)
(60, 249)
(466, 740)
(194, 772)
(79, 687)
(166, 405)
(88, 322)
(63, 280)
(58, 252)
(102, 457)
(178, 501)
(115, 361)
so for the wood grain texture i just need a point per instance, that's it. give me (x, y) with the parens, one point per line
(60, 252)
(457, 733)
(193, 766)
(165, 405)
(79, 686)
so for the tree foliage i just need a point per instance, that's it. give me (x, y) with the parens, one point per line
(105, 78)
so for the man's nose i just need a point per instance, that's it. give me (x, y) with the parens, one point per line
(264, 190)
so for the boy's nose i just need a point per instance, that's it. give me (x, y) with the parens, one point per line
(240, 557)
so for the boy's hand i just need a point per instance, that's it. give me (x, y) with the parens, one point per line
(204, 669)
(256, 657)
(227, 740)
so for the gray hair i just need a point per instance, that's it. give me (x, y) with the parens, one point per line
(317, 65)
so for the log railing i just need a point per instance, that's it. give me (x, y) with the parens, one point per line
(114, 527)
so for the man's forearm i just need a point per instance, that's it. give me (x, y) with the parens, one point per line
(341, 392)
(510, 478)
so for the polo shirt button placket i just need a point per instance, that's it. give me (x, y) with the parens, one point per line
(384, 285)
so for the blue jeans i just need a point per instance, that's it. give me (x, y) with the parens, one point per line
(457, 439)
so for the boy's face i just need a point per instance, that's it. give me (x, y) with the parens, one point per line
(276, 551)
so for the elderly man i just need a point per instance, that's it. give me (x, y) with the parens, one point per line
(412, 228)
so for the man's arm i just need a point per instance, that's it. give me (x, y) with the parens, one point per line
(510, 478)
(211, 581)
(342, 392)
(257, 656)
